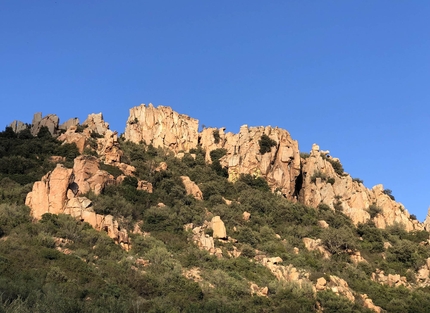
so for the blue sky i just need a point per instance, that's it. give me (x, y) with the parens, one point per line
(352, 76)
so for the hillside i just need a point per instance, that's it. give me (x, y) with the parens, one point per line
(167, 218)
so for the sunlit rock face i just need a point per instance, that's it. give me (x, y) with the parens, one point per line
(59, 192)
(162, 127)
(311, 180)
(321, 184)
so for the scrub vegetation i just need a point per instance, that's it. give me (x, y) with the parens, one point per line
(93, 274)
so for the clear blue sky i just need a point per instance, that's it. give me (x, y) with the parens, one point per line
(352, 76)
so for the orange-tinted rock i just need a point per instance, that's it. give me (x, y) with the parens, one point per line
(50, 194)
(71, 136)
(88, 176)
(162, 127)
(191, 188)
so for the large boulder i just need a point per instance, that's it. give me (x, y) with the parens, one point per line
(95, 123)
(71, 136)
(50, 194)
(191, 188)
(88, 175)
(218, 228)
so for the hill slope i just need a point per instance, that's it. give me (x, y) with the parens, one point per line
(192, 222)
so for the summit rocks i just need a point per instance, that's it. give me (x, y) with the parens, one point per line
(162, 127)
(312, 180)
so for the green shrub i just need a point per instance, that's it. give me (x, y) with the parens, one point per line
(266, 144)
(338, 241)
(388, 192)
(304, 155)
(337, 166)
(374, 210)
(216, 135)
(318, 174)
(113, 170)
(254, 182)
(217, 154)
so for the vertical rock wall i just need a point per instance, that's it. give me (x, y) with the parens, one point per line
(162, 127)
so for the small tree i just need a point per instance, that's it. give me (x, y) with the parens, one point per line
(266, 144)
(216, 135)
(388, 193)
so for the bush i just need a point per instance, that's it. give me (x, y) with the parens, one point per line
(358, 180)
(388, 193)
(374, 210)
(266, 144)
(216, 135)
(254, 182)
(304, 155)
(338, 168)
(217, 154)
(338, 241)
(318, 174)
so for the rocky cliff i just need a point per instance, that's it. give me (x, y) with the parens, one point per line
(162, 127)
(311, 179)
(61, 190)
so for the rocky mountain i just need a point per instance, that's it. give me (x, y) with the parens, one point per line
(199, 221)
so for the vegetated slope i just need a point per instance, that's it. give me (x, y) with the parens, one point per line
(60, 264)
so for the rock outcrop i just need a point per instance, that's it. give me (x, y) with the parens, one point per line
(280, 166)
(72, 136)
(69, 123)
(323, 184)
(218, 228)
(88, 175)
(81, 208)
(95, 123)
(192, 188)
(17, 126)
(162, 127)
(58, 192)
(50, 121)
(203, 240)
(108, 148)
(312, 180)
(49, 195)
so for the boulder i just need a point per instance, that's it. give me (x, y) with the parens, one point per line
(88, 176)
(108, 147)
(96, 124)
(218, 228)
(71, 136)
(144, 185)
(191, 188)
(50, 194)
